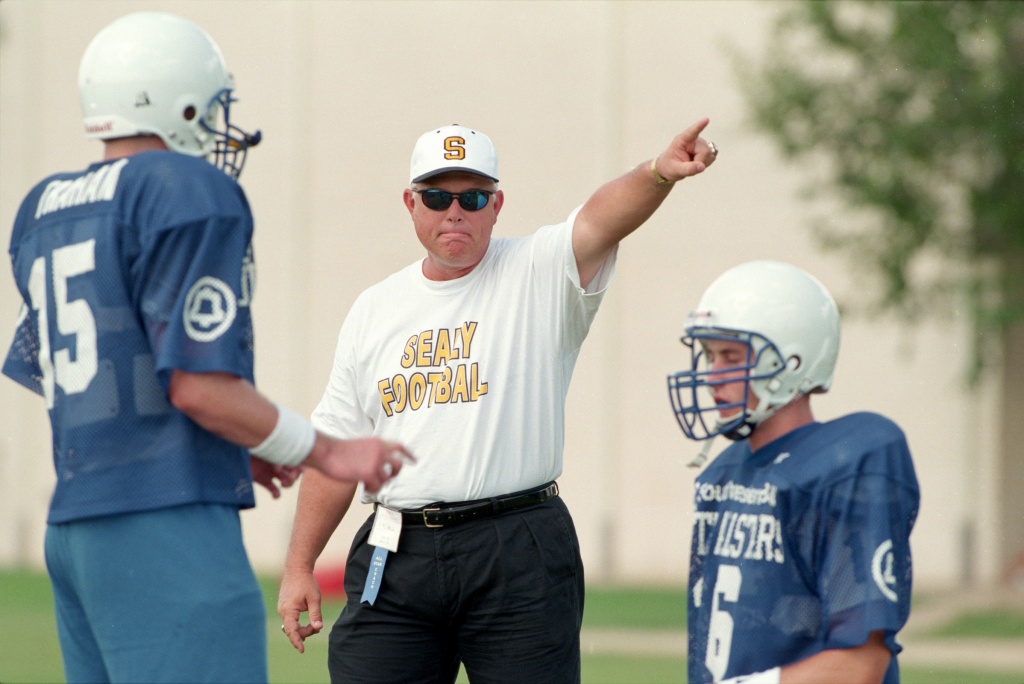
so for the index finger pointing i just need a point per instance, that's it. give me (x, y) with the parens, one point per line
(693, 132)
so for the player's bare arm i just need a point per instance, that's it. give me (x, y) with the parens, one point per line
(622, 205)
(864, 664)
(225, 404)
(321, 506)
(232, 408)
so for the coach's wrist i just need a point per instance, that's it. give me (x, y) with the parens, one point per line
(300, 567)
(661, 180)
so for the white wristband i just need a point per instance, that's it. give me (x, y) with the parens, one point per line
(767, 677)
(290, 442)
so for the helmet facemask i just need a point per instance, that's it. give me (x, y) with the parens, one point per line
(230, 143)
(691, 392)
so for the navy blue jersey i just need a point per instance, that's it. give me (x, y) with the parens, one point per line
(129, 270)
(801, 547)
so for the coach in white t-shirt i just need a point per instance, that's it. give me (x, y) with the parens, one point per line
(465, 357)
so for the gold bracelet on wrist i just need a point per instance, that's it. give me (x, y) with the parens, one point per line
(657, 176)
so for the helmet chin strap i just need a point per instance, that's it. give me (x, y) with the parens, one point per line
(743, 430)
(746, 428)
(701, 457)
(733, 434)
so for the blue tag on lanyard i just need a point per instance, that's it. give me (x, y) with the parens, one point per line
(387, 527)
(375, 576)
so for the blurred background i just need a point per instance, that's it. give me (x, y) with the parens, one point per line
(878, 146)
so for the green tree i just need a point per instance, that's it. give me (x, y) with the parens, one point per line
(912, 115)
(913, 112)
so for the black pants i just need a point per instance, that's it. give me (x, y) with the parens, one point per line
(503, 595)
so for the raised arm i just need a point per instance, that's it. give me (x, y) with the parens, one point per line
(622, 205)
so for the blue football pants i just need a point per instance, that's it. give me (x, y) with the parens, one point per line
(157, 596)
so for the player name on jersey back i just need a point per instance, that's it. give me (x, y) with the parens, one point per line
(95, 186)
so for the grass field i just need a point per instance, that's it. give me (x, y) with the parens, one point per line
(996, 624)
(29, 651)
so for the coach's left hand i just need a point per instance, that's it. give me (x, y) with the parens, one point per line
(299, 594)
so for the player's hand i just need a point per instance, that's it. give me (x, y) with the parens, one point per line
(687, 155)
(273, 477)
(370, 460)
(299, 594)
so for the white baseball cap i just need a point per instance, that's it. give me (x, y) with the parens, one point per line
(453, 148)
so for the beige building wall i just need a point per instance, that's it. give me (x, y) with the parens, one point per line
(573, 94)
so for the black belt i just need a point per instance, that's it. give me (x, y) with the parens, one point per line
(441, 514)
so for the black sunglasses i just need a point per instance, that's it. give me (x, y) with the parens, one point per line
(439, 200)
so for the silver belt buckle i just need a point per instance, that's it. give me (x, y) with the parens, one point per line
(430, 510)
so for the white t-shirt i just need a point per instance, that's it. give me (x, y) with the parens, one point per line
(471, 374)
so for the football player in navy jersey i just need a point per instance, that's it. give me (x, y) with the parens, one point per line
(800, 567)
(137, 275)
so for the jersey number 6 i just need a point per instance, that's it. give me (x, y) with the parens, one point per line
(727, 588)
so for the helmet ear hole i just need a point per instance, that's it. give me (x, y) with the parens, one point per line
(189, 114)
(793, 363)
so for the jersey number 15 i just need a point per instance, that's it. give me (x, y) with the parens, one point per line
(72, 372)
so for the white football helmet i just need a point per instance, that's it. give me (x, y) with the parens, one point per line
(790, 324)
(159, 74)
